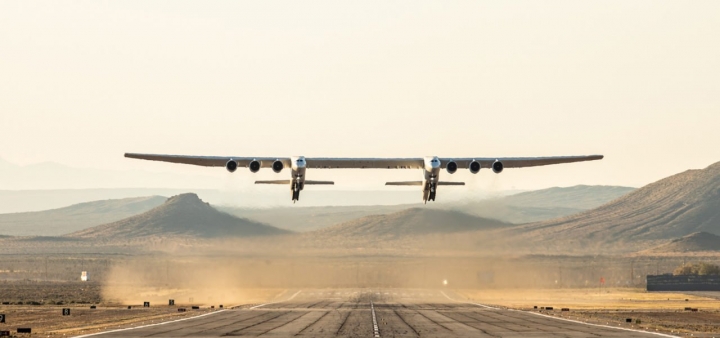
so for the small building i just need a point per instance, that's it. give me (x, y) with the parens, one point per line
(669, 282)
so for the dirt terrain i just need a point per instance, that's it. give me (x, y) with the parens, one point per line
(48, 320)
(39, 305)
(653, 311)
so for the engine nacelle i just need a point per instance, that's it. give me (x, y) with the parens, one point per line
(278, 166)
(497, 167)
(254, 166)
(451, 167)
(474, 167)
(231, 166)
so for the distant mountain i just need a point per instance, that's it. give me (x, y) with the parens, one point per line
(408, 223)
(245, 198)
(422, 231)
(695, 242)
(16, 201)
(576, 197)
(523, 207)
(302, 219)
(673, 207)
(181, 215)
(545, 204)
(76, 217)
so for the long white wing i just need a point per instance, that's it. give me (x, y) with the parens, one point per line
(364, 163)
(210, 161)
(519, 162)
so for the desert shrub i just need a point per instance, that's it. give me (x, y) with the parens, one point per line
(697, 269)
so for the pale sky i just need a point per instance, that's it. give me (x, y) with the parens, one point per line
(638, 81)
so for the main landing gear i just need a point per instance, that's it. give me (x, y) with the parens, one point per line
(295, 188)
(433, 188)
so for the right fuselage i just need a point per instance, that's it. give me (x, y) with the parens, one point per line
(432, 176)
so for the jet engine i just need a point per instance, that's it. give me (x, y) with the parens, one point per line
(451, 167)
(277, 166)
(231, 166)
(474, 167)
(497, 167)
(254, 166)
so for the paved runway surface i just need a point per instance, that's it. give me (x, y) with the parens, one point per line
(349, 313)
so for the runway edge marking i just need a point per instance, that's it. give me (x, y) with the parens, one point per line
(149, 325)
(174, 321)
(261, 305)
(567, 320)
(480, 305)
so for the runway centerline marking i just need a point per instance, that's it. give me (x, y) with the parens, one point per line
(375, 325)
(566, 320)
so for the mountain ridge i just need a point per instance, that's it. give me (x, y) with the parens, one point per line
(181, 215)
(60, 221)
(672, 207)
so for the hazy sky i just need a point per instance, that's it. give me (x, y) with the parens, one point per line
(638, 81)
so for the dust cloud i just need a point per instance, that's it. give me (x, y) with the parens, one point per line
(211, 278)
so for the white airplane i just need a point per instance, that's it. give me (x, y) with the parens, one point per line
(430, 165)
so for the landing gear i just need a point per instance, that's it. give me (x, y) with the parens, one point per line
(429, 192)
(295, 191)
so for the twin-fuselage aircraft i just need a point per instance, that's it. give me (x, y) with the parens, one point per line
(298, 165)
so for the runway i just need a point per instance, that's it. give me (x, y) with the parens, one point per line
(372, 313)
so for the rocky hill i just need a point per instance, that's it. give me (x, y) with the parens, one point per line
(544, 204)
(525, 207)
(410, 222)
(673, 207)
(76, 217)
(695, 242)
(181, 215)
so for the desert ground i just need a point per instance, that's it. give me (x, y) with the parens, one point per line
(430, 272)
(314, 296)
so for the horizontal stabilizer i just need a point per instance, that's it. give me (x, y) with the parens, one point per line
(319, 182)
(420, 183)
(451, 183)
(273, 182)
(405, 183)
